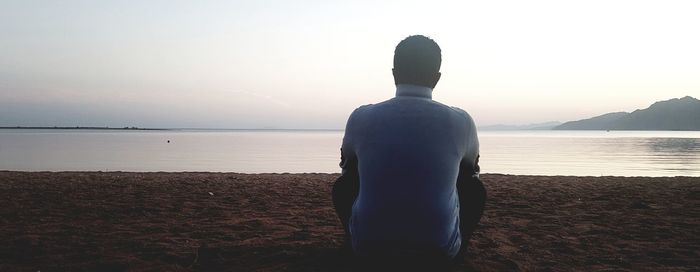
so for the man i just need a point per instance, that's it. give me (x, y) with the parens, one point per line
(410, 175)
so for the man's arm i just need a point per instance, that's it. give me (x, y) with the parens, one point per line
(346, 187)
(348, 158)
(468, 172)
(348, 164)
(472, 194)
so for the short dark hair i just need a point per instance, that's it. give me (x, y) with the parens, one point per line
(416, 60)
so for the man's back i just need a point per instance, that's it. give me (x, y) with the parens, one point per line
(408, 152)
(410, 183)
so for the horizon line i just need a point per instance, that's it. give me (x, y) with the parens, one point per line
(161, 128)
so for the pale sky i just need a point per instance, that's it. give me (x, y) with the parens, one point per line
(308, 64)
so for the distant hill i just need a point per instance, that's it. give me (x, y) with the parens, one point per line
(538, 126)
(675, 114)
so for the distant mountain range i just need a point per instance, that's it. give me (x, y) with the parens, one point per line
(675, 114)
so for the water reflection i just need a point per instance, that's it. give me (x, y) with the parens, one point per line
(592, 153)
(673, 145)
(681, 155)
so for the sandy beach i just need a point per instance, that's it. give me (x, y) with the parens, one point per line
(115, 221)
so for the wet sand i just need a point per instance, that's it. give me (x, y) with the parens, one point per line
(114, 221)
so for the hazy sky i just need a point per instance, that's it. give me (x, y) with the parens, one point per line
(308, 64)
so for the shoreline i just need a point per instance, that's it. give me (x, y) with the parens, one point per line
(308, 173)
(83, 128)
(191, 221)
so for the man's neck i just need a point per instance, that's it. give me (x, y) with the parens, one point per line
(414, 90)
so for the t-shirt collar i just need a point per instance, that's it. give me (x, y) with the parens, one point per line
(414, 90)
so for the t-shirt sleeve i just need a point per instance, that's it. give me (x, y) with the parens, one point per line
(470, 140)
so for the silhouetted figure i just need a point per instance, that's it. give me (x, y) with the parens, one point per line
(410, 185)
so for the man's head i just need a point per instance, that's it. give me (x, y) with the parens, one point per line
(417, 61)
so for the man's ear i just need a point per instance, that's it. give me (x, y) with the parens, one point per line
(393, 72)
(436, 79)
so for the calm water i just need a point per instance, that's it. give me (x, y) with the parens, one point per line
(621, 153)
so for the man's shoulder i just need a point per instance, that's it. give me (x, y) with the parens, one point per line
(464, 114)
(453, 109)
(367, 108)
(461, 112)
(361, 109)
(357, 113)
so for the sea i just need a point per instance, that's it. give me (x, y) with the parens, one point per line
(519, 152)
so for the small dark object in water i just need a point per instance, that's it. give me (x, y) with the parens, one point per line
(168, 141)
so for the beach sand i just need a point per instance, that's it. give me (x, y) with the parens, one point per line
(116, 221)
